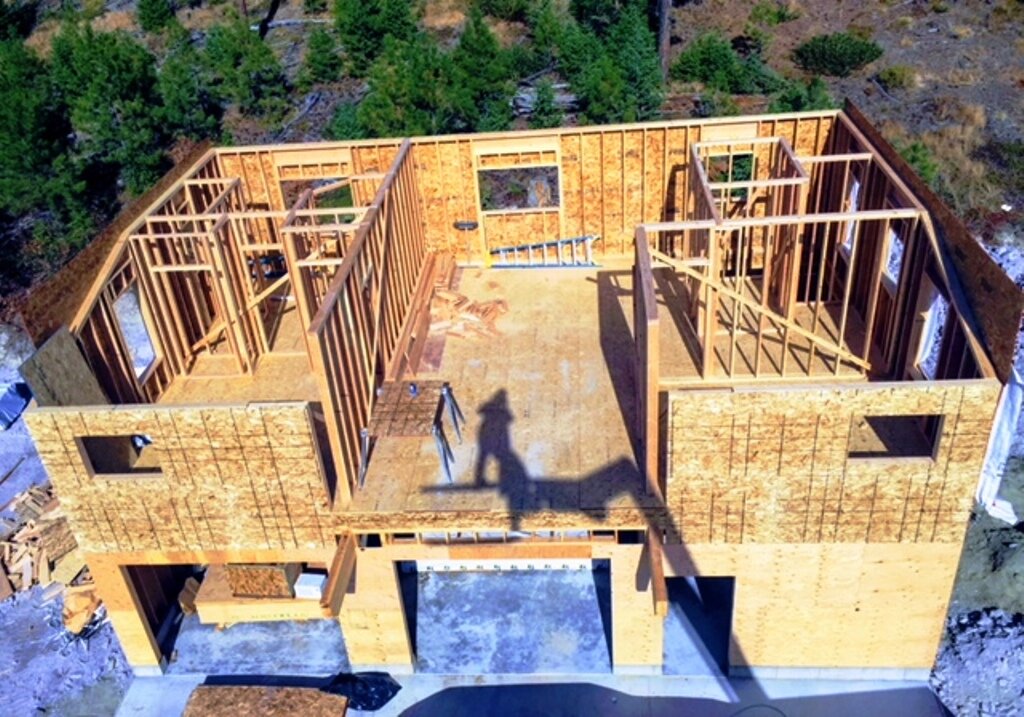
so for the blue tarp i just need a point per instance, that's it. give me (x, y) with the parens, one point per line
(13, 402)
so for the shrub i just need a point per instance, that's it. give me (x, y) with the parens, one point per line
(154, 14)
(716, 104)
(897, 77)
(920, 158)
(797, 96)
(772, 13)
(837, 55)
(712, 60)
(505, 9)
(322, 61)
(314, 7)
(546, 112)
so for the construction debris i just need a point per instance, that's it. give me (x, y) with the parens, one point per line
(80, 605)
(187, 596)
(37, 545)
(47, 669)
(456, 314)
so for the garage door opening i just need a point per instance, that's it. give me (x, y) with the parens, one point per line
(698, 625)
(513, 617)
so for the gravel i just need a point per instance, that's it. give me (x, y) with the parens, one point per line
(43, 667)
(981, 664)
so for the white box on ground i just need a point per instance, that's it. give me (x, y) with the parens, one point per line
(309, 586)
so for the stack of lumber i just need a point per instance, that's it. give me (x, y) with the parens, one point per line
(37, 546)
(456, 314)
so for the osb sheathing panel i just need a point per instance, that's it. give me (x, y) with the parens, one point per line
(59, 376)
(521, 228)
(830, 605)
(232, 477)
(223, 701)
(262, 580)
(774, 466)
(611, 179)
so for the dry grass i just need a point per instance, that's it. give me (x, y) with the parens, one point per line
(116, 20)
(444, 19)
(965, 181)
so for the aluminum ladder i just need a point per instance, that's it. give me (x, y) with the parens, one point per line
(576, 251)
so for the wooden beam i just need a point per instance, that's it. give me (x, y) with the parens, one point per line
(656, 561)
(339, 575)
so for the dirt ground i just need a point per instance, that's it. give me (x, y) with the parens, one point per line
(966, 58)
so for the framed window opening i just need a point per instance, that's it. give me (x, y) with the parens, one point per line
(892, 268)
(901, 437)
(135, 331)
(527, 188)
(852, 205)
(126, 456)
(933, 331)
(727, 168)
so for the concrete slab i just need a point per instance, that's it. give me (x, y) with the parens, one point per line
(159, 696)
(605, 695)
(697, 626)
(511, 622)
(307, 647)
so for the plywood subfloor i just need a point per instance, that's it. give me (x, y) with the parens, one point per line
(546, 402)
(281, 375)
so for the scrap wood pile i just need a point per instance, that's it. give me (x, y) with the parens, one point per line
(457, 315)
(37, 547)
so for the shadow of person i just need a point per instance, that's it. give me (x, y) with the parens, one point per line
(494, 442)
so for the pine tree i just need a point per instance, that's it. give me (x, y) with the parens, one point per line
(413, 91)
(154, 15)
(602, 91)
(364, 25)
(322, 61)
(33, 128)
(636, 55)
(345, 123)
(485, 75)
(546, 112)
(245, 69)
(189, 107)
(599, 15)
(547, 32)
(109, 84)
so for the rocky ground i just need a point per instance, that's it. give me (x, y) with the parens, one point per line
(44, 669)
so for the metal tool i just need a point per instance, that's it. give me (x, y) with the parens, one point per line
(444, 451)
(364, 459)
(453, 409)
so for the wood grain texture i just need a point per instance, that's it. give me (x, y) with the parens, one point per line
(217, 701)
(231, 477)
(774, 466)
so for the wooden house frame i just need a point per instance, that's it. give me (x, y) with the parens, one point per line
(783, 273)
